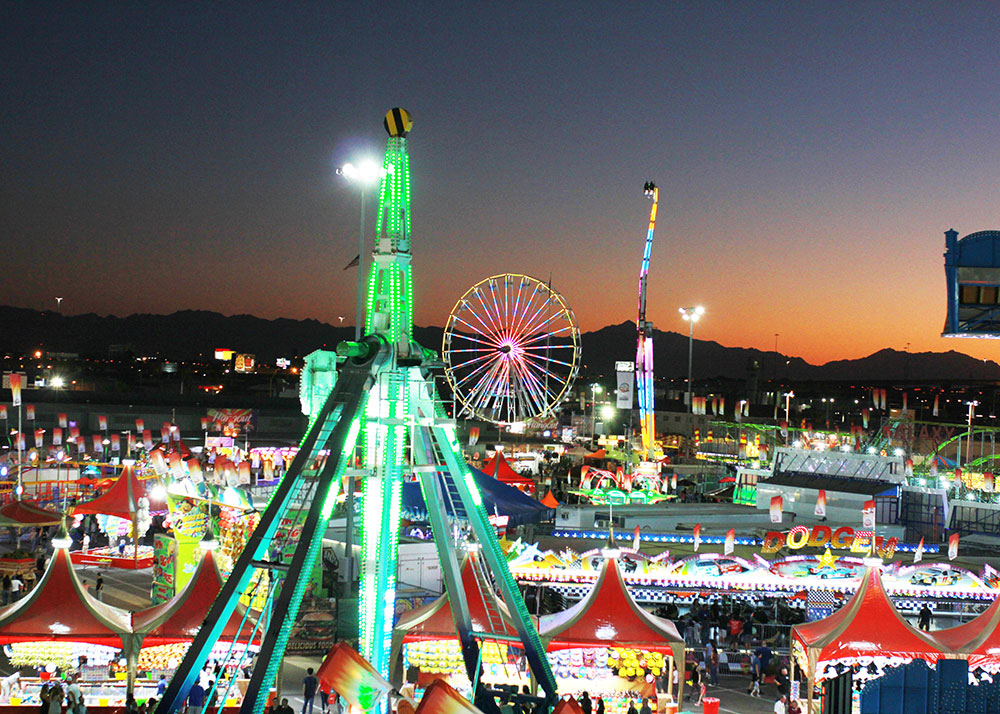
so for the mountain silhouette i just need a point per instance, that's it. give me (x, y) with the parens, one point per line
(195, 334)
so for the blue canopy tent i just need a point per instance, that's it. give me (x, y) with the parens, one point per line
(498, 498)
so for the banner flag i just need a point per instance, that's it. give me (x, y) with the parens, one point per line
(953, 546)
(697, 537)
(918, 554)
(730, 542)
(868, 514)
(820, 510)
(15, 389)
(776, 508)
(63, 421)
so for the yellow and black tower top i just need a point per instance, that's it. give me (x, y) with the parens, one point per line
(397, 122)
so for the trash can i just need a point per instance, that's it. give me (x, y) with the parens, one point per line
(710, 705)
(671, 708)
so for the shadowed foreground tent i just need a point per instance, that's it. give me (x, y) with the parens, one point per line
(610, 617)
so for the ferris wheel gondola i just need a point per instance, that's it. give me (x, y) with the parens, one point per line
(511, 349)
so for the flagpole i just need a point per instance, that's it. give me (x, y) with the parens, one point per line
(20, 457)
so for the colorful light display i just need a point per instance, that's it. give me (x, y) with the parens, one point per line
(644, 351)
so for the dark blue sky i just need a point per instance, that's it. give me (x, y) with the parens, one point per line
(161, 156)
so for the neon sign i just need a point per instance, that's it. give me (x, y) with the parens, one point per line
(844, 537)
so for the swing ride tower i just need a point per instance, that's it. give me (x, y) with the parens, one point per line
(382, 421)
(644, 351)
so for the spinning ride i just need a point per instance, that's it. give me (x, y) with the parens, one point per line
(511, 349)
(381, 412)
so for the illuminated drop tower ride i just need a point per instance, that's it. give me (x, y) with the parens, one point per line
(376, 416)
(644, 352)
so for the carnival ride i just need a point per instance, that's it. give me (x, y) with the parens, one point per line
(383, 414)
(644, 351)
(511, 349)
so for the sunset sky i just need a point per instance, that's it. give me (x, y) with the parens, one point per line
(810, 156)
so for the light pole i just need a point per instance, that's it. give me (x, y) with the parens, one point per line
(595, 389)
(692, 315)
(607, 414)
(788, 407)
(365, 174)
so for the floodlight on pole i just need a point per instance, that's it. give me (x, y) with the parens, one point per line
(691, 315)
(365, 174)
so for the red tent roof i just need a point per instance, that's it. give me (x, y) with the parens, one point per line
(609, 616)
(58, 608)
(434, 621)
(179, 618)
(119, 500)
(503, 472)
(867, 625)
(978, 638)
(25, 513)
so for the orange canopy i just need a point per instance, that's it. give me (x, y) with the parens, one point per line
(568, 706)
(550, 500)
(442, 698)
(179, 618)
(58, 608)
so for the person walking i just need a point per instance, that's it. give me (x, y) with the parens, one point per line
(585, 704)
(6, 589)
(713, 664)
(780, 705)
(16, 586)
(924, 618)
(782, 682)
(99, 587)
(754, 689)
(309, 686)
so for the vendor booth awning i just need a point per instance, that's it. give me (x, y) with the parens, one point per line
(979, 639)
(120, 500)
(24, 514)
(498, 468)
(867, 626)
(178, 619)
(58, 608)
(499, 499)
(609, 617)
(434, 621)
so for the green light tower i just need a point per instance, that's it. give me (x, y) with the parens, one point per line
(380, 417)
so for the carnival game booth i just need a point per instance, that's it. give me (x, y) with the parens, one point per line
(427, 639)
(164, 632)
(498, 468)
(123, 511)
(58, 625)
(607, 644)
(867, 631)
(19, 515)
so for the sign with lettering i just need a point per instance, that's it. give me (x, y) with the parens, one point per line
(844, 537)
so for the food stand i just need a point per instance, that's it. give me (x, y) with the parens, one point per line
(607, 644)
(868, 631)
(64, 624)
(425, 638)
(123, 510)
(164, 632)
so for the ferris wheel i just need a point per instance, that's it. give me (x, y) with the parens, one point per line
(511, 349)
